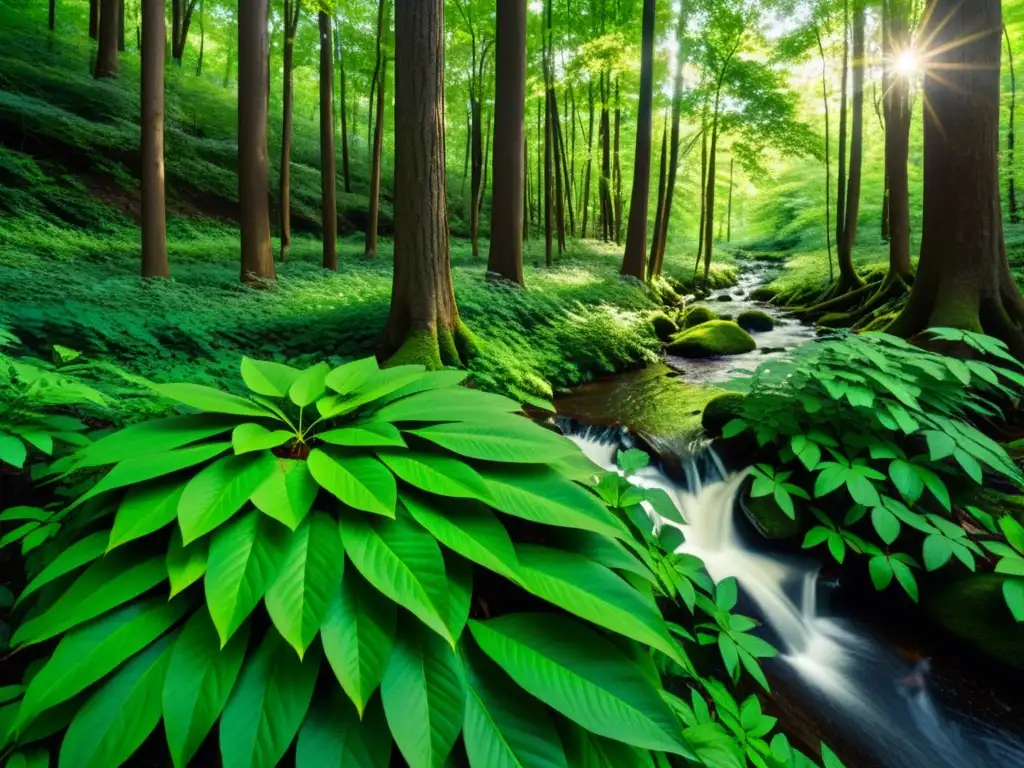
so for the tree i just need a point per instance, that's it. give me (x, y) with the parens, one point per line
(328, 175)
(963, 278)
(423, 325)
(292, 9)
(590, 157)
(828, 148)
(94, 19)
(898, 111)
(106, 57)
(659, 210)
(380, 74)
(342, 104)
(1010, 137)
(505, 257)
(52, 19)
(849, 280)
(181, 20)
(634, 260)
(154, 214)
(257, 257)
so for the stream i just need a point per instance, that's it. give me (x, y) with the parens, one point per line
(847, 682)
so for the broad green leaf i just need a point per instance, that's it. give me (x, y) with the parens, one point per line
(145, 509)
(503, 728)
(307, 580)
(32, 758)
(508, 439)
(470, 529)
(595, 594)
(631, 460)
(726, 593)
(288, 493)
(362, 482)
(150, 437)
(581, 675)
(120, 715)
(267, 378)
(309, 386)
(881, 572)
(214, 495)
(442, 475)
(906, 480)
(448, 378)
(12, 450)
(940, 445)
(244, 558)
(449, 404)
(267, 704)
(334, 735)
(106, 584)
(249, 437)
(730, 656)
(74, 557)
(185, 565)
(936, 551)
(905, 577)
(379, 385)
(1013, 594)
(404, 563)
(89, 653)
(365, 433)
(886, 524)
(199, 680)
(424, 696)
(460, 592)
(351, 376)
(210, 400)
(357, 633)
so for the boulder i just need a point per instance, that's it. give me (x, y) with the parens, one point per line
(720, 411)
(696, 316)
(723, 297)
(972, 608)
(769, 519)
(711, 339)
(755, 321)
(835, 320)
(763, 293)
(726, 316)
(664, 326)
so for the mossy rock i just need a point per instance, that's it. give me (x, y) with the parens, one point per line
(835, 320)
(723, 297)
(763, 293)
(664, 326)
(769, 519)
(726, 316)
(972, 608)
(755, 321)
(721, 411)
(712, 339)
(697, 316)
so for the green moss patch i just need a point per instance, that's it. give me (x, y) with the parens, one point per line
(696, 316)
(755, 321)
(973, 609)
(712, 339)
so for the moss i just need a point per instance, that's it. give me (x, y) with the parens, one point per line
(769, 519)
(755, 321)
(763, 293)
(881, 322)
(696, 316)
(835, 320)
(973, 609)
(419, 348)
(723, 297)
(711, 339)
(726, 316)
(446, 347)
(664, 326)
(721, 411)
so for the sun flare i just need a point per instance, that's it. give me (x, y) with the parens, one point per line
(906, 63)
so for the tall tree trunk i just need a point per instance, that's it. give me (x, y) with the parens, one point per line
(540, 165)
(381, 7)
(487, 153)
(559, 199)
(673, 162)
(618, 167)
(370, 251)
(257, 257)
(423, 326)
(882, 110)
(572, 152)
(703, 184)
(154, 212)
(963, 279)
(898, 112)
(590, 147)
(828, 168)
(53, 15)
(328, 173)
(202, 38)
(566, 178)
(120, 26)
(232, 49)
(476, 168)
(848, 278)
(342, 103)
(94, 19)
(291, 22)
(505, 257)
(181, 19)
(709, 195)
(728, 219)
(549, 214)
(527, 202)
(1011, 138)
(659, 209)
(635, 257)
(465, 158)
(841, 180)
(607, 207)
(106, 56)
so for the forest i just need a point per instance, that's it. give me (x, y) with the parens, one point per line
(649, 371)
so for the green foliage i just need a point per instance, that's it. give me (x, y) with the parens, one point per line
(885, 443)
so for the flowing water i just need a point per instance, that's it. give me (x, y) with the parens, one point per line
(882, 702)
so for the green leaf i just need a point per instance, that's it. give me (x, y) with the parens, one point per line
(905, 577)
(1013, 594)
(33, 758)
(470, 529)
(907, 481)
(887, 526)
(199, 680)
(334, 735)
(120, 715)
(881, 571)
(733, 428)
(663, 505)
(106, 584)
(185, 565)
(351, 376)
(145, 509)
(267, 378)
(402, 562)
(460, 592)
(307, 580)
(210, 400)
(940, 445)
(12, 450)
(365, 433)
(249, 437)
(357, 633)
(89, 653)
(214, 495)
(442, 475)
(631, 460)
(448, 405)
(288, 493)
(361, 482)
(424, 696)
(244, 558)
(581, 675)
(309, 386)
(267, 705)
(509, 439)
(726, 594)
(730, 655)
(503, 728)
(74, 557)
(785, 501)
(830, 477)
(934, 484)
(969, 465)
(374, 389)
(837, 547)
(936, 551)
(447, 378)
(861, 489)
(151, 437)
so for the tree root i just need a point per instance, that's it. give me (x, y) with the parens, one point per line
(436, 348)
(839, 303)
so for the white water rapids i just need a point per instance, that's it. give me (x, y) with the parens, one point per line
(878, 699)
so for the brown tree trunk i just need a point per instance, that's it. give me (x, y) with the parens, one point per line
(828, 164)
(618, 167)
(328, 174)
(590, 147)
(505, 257)
(709, 196)
(291, 23)
(963, 279)
(540, 164)
(898, 111)
(120, 26)
(556, 172)
(848, 278)
(423, 326)
(566, 177)
(154, 213)
(728, 218)
(607, 206)
(257, 257)
(703, 185)
(673, 162)
(202, 39)
(370, 251)
(376, 70)
(342, 103)
(232, 49)
(94, 19)
(53, 15)
(106, 56)
(527, 202)
(181, 20)
(476, 167)
(634, 259)
(1011, 138)
(659, 209)
(841, 180)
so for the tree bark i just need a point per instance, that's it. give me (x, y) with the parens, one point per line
(848, 278)
(202, 38)
(590, 147)
(1011, 190)
(328, 173)
(728, 219)
(709, 196)
(703, 185)
(423, 325)
(634, 259)
(963, 279)
(828, 166)
(181, 20)
(841, 174)
(370, 251)
(477, 163)
(607, 206)
(106, 56)
(556, 171)
(898, 111)
(94, 19)
(232, 49)
(566, 177)
(505, 257)
(120, 26)
(618, 167)
(53, 15)
(376, 70)
(291, 23)
(659, 210)
(342, 104)
(257, 257)
(154, 212)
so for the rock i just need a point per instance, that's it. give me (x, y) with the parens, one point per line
(725, 316)
(696, 316)
(972, 608)
(769, 519)
(664, 326)
(711, 339)
(723, 297)
(770, 350)
(720, 411)
(755, 321)
(835, 320)
(763, 293)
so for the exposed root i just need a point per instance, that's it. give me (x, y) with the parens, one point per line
(436, 348)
